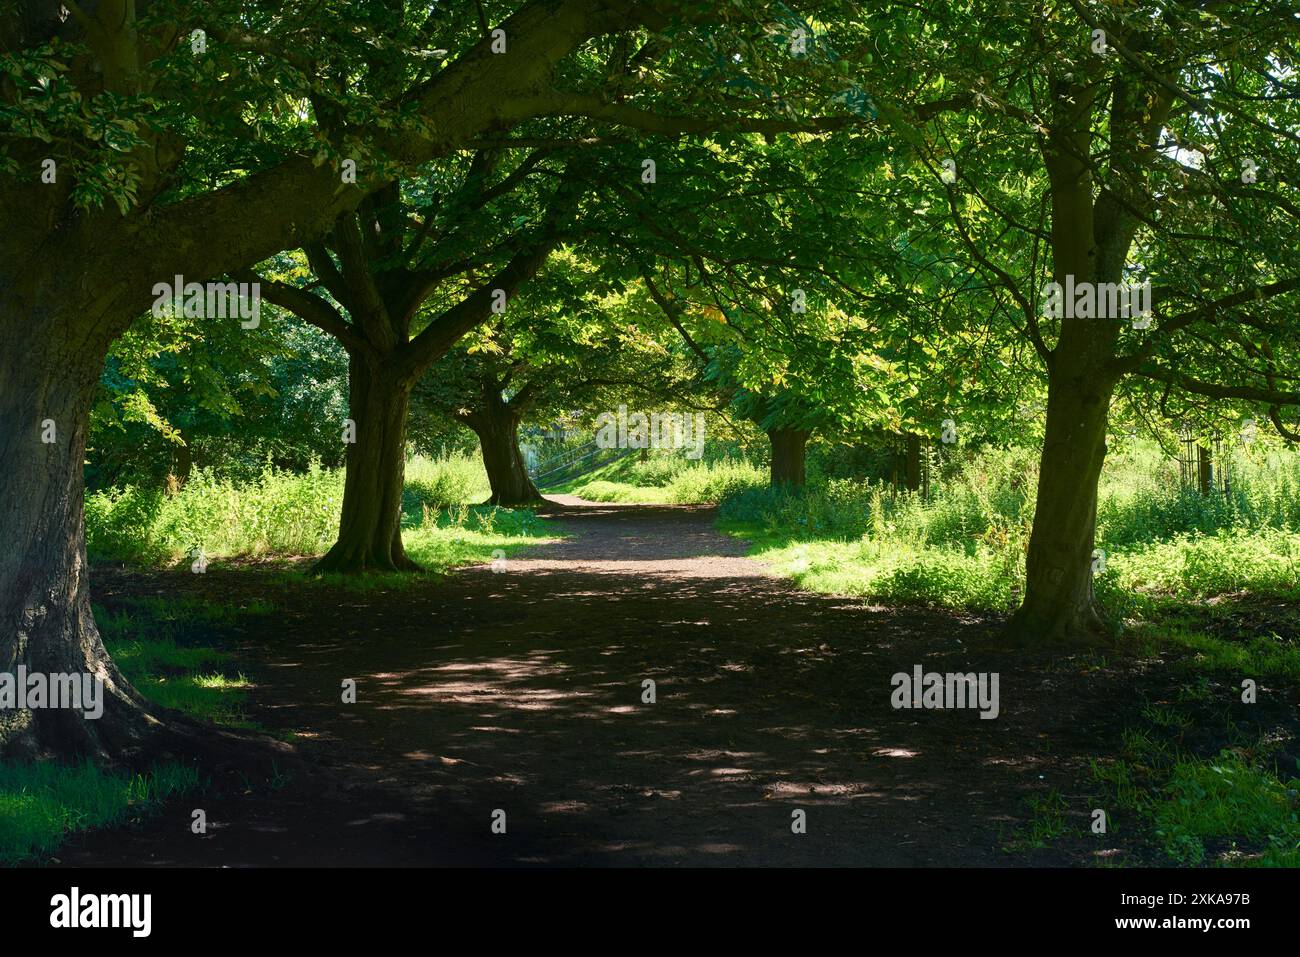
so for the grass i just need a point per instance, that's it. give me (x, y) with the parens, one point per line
(1166, 548)
(623, 492)
(615, 471)
(279, 514)
(284, 515)
(1258, 655)
(442, 540)
(41, 802)
(669, 479)
(1047, 822)
(165, 648)
(1228, 810)
(1227, 800)
(463, 535)
(443, 482)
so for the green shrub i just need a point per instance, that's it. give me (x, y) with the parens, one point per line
(445, 481)
(600, 490)
(684, 483)
(714, 481)
(656, 470)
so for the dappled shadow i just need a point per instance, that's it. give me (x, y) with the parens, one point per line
(523, 688)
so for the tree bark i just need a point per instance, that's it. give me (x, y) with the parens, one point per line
(370, 529)
(1204, 470)
(1090, 241)
(182, 463)
(1059, 601)
(497, 426)
(913, 473)
(788, 447)
(46, 624)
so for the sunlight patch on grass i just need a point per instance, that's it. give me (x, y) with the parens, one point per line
(1260, 655)
(885, 572)
(603, 491)
(164, 647)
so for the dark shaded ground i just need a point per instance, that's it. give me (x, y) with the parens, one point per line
(521, 690)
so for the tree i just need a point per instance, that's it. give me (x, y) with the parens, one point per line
(179, 393)
(573, 338)
(1113, 148)
(382, 264)
(137, 149)
(744, 254)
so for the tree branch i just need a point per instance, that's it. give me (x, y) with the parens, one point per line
(307, 306)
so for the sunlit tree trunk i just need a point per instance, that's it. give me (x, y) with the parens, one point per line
(497, 426)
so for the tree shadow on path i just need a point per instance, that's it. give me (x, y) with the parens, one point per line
(522, 689)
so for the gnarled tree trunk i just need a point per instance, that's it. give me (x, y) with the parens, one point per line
(370, 529)
(47, 383)
(788, 447)
(497, 426)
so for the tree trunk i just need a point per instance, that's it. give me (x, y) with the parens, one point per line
(182, 463)
(913, 474)
(370, 529)
(497, 428)
(788, 447)
(1204, 470)
(1059, 602)
(1089, 244)
(47, 385)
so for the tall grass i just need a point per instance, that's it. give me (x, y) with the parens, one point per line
(279, 513)
(445, 481)
(966, 546)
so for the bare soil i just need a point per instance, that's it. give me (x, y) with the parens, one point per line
(521, 689)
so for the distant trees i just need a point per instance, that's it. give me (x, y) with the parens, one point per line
(576, 338)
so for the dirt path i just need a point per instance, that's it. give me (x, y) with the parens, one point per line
(521, 689)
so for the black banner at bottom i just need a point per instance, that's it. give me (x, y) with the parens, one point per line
(334, 906)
